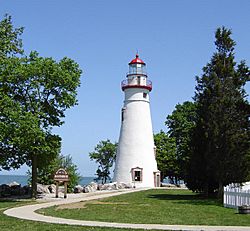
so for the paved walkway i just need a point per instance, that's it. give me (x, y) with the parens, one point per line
(27, 212)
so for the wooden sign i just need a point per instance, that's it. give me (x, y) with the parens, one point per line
(61, 175)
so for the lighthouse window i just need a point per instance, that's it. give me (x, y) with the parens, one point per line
(137, 174)
(123, 110)
(145, 95)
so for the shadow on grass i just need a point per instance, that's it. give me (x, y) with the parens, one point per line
(196, 199)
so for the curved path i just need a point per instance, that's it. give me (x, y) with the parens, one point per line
(27, 212)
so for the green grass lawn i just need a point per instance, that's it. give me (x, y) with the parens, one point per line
(10, 223)
(155, 207)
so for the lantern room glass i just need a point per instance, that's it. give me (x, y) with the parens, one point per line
(137, 68)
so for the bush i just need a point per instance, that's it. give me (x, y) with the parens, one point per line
(46, 174)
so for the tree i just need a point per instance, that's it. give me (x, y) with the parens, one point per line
(181, 124)
(34, 94)
(45, 174)
(104, 154)
(10, 43)
(166, 156)
(220, 142)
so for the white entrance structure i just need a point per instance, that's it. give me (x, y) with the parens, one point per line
(135, 160)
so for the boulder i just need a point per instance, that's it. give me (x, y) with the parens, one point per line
(52, 188)
(41, 189)
(78, 189)
(123, 185)
(103, 187)
(13, 184)
(86, 189)
(94, 186)
(129, 185)
(114, 186)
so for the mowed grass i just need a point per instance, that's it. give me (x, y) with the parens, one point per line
(10, 223)
(156, 207)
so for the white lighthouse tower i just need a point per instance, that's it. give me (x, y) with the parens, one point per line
(135, 160)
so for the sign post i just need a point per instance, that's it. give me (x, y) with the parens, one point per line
(61, 176)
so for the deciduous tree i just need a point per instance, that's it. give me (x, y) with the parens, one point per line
(180, 126)
(166, 156)
(34, 94)
(46, 173)
(104, 155)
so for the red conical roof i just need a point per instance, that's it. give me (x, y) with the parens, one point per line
(137, 60)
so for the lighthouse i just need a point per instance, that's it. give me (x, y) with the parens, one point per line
(135, 160)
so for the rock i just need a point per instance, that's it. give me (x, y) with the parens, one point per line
(14, 183)
(52, 188)
(86, 189)
(94, 186)
(123, 185)
(128, 185)
(41, 189)
(102, 187)
(78, 189)
(114, 186)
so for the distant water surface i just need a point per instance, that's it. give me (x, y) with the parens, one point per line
(23, 180)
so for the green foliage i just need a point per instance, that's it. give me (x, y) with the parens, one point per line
(34, 94)
(45, 174)
(220, 142)
(181, 123)
(21, 137)
(104, 155)
(10, 43)
(166, 156)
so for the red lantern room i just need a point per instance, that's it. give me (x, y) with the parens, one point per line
(137, 76)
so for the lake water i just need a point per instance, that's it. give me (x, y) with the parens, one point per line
(21, 179)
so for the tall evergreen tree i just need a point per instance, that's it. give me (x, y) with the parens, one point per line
(221, 139)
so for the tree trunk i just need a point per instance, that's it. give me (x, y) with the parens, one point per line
(220, 192)
(34, 176)
(206, 189)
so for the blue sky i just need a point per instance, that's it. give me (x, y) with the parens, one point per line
(174, 38)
